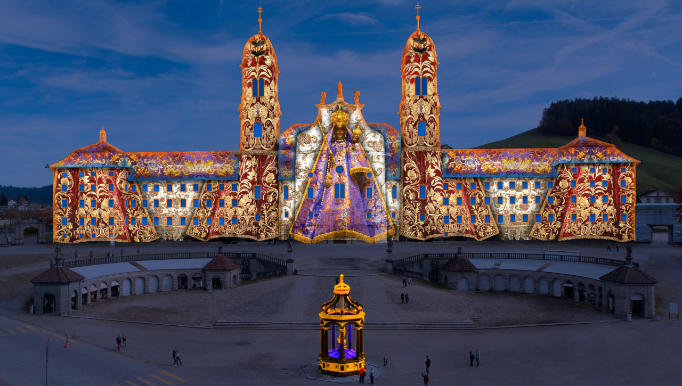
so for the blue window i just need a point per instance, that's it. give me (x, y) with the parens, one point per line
(81, 174)
(195, 220)
(446, 219)
(82, 235)
(144, 187)
(446, 201)
(144, 203)
(538, 218)
(221, 187)
(524, 199)
(169, 221)
(605, 217)
(487, 219)
(81, 187)
(169, 203)
(261, 86)
(538, 184)
(593, 217)
(310, 192)
(64, 203)
(235, 221)
(459, 186)
(64, 236)
(418, 86)
(622, 183)
(500, 219)
(524, 185)
(422, 217)
(574, 217)
(623, 217)
(574, 170)
(81, 221)
(446, 186)
(425, 86)
(486, 200)
(472, 201)
(258, 216)
(94, 235)
(234, 187)
(209, 203)
(573, 199)
(93, 203)
(133, 221)
(183, 187)
(195, 188)
(156, 203)
(550, 200)
(156, 221)
(209, 187)
(537, 199)
(422, 191)
(472, 186)
(369, 193)
(286, 192)
(310, 214)
(622, 170)
(183, 203)
(144, 221)
(512, 218)
(525, 218)
(195, 203)
(156, 188)
(473, 219)
(459, 219)
(573, 183)
(221, 203)
(339, 190)
(258, 130)
(486, 185)
(512, 200)
(169, 187)
(592, 170)
(133, 188)
(93, 220)
(111, 221)
(591, 183)
(234, 202)
(500, 185)
(393, 214)
(394, 192)
(604, 198)
(64, 221)
(81, 203)
(500, 200)
(459, 200)
(368, 215)
(64, 190)
(256, 192)
(593, 199)
(221, 221)
(512, 185)
(550, 184)
(254, 88)
(550, 217)
(183, 221)
(209, 220)
(133, 203)
(623, 199)
(64, 175)
(421, 129)
(604, 183)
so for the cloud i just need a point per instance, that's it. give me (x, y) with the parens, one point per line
(355, 19)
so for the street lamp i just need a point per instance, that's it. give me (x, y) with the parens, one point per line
(47, 350)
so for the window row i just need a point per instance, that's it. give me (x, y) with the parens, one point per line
(93, 221)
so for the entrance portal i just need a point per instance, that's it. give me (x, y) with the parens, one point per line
(48, 301)
(637, 305)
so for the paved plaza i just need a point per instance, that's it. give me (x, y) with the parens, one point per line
(602, 352)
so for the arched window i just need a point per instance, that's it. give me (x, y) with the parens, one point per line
(258, 130)
(254, 85)
(421, 129)
(261, 86)
(258, 87)
(417, 86)
(425, 86)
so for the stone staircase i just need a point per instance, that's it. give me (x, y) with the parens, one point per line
(247, 325)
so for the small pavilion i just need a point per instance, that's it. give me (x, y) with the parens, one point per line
(345, 319)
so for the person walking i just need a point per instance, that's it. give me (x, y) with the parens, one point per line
(608, 247)
(478, 357)
(471, 357)
(426, 379)
(177, 356)
(385, 360)
(402, 298)
(362, 374)
(428, 364)
(125, 341)
(371, 376)
(407, 298)
(409, 281)
(118, 342)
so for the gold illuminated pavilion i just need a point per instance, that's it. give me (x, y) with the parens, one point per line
(345, 319)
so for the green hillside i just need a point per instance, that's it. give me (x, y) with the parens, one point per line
(658, 170)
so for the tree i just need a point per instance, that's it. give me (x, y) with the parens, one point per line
(3, 200)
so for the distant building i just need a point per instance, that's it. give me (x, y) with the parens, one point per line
(657, 197)
(657, 209)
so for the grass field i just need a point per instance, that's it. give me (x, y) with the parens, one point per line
(658, 170)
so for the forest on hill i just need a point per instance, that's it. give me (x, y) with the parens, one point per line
(36, 195)
(654, 124)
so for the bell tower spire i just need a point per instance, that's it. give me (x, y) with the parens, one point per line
(102, 135)
(260, 19)
(417, 7)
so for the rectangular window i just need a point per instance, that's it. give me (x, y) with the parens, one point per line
(133, 203)
(525, 218)
(286, 192)
(512, 185)
(500, 219)
(392, 214)
(524, 185)
(538, 218)
(574, 170)
(209, 220)
(500, 185)
(81, 187)
(183, 203)
(183, 187)
(591, 170)
(622, 170)
(133, 188)
(169, 203)
(550, 217)
(459, 219)
(623, 199)
(592, 183)
(133, 221)
(234, 187)
(93, 203)
(486, 185)
(605, 198)
(512, 200)
(605, 217)
(446, 201)
(310, 214)
(221, 221)
(573, 183)
(459, 186)
(144, 203)
(183, 221)
(81, 221)
(340, 191)
(573, 199)
(256, 192)
(64, 175)
(310, 192)
(622, 183)
(195, 188)
(144, 187)
(81, 203)
(500, 200)
(195, 203)
(574, 217)
(234, 221)
(81, 174)
(156, 203)
(144, 221)
(394, 192)
(64, 190)
(550, 184)
(169, 188)
(156, 221)
(593, 199)
(156, 188)
(473, 219)
(446, 219)
(472, 186)
(64, 221)
(169, 221)
(512, 218)
(422, 192)
(209, 203)
(446, 186)
(472, 201)
(93, 220)
(487, 219)
(593, 217)
(111, 221)
(195, 220)
(221, 187)
(93, 188)
(550, 200)
(605, 183)
(538, 184)
(209, 187)
(234, 202)
(623, 217)
(486, 200)
(221, 203)
(524, 199)
(459, 200)
(538, 199)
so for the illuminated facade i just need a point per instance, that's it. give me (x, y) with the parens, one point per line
(342, 177)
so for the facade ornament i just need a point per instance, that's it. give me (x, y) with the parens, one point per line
(339, 95)
(582, 130)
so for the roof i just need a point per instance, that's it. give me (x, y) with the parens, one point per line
(60, 275)
(100, 154)
(221, 263)
(458, 263)
(628, 275)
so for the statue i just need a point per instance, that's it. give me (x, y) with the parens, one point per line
(389, 243)
(357, 97)
(324, 97)
(339, 89)
(629, 249)
(290, 244)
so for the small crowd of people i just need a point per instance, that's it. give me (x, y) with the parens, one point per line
(121, 342)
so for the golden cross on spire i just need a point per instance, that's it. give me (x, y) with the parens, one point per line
(260, 20)
(417, 7)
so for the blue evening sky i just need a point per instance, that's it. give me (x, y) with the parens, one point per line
(164, 75)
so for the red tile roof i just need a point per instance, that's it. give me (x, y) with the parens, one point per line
(221, 263)
(458, 263)
(58, 275)
(628, 275)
